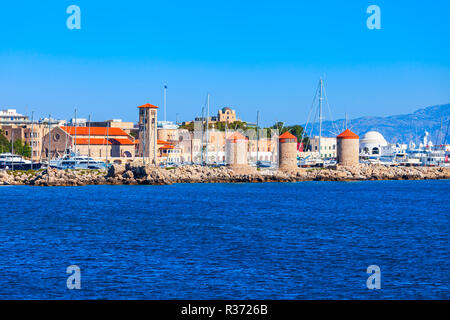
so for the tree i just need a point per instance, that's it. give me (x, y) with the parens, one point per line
(189, 126)
(296, 130)
(22, 148)
(5, 145)
(134, 135)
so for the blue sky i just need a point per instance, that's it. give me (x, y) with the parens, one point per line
(251, 55)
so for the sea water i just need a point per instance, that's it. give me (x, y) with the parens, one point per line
(308, 240)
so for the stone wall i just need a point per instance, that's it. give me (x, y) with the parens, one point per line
(348, 151)
(288, 155)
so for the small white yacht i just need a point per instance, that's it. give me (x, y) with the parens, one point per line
(10, 161)
(77, 162)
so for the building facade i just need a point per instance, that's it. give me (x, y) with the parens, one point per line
(148, 121)
(328, 147)
(107, 144)
(227, 115)
(11, 117)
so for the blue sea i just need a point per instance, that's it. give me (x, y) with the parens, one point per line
(308, 240)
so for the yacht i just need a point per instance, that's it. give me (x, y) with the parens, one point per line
(310, 161)
(10, 161)
(77, 162)
(434, 158)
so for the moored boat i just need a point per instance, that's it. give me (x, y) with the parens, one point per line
(77, 162)
(10, 161)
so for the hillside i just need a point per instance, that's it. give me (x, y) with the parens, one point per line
(399, 128)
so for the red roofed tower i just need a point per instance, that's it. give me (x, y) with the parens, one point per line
(347, 148)
(287, 152)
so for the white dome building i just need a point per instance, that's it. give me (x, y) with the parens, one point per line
(372, 143)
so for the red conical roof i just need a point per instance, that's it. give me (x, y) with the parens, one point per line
(148, 105)
(287, 137)
(347, 134)
(236, 136)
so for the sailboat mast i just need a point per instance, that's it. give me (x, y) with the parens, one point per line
(320, 117)
(201, 147)
(155, 138)
(257, 136)
(49, 141)
(89, 139)
(75, 143)
(207, 128)
(31, 138)
(165, 99)
(144, 124)
(107, 141)
(12, 147)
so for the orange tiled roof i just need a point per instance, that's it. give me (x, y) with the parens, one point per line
(236, 136)
(168, 146)
(347, 134)
(95, 131)
(93, 141)
(100, 141)
(287, 136)
(162, 142)
(122, 141)
(148, 105)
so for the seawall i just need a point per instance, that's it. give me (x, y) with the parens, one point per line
(148, 175)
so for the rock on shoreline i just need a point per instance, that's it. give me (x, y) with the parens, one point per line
(147, 175)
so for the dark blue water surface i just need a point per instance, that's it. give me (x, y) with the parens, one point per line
(311, 240)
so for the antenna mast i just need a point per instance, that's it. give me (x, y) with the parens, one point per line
(257, 137)
(207, 127)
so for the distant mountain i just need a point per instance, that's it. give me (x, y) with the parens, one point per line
(400, 128)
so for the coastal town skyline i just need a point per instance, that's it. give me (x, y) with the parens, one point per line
(107, 68)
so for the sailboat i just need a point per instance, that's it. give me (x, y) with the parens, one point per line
(316, 160)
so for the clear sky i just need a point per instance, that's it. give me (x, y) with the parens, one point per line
(250, 55)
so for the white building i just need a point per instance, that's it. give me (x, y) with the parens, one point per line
(79, 122)
(372, 143)
(11, 117)
(327, 146)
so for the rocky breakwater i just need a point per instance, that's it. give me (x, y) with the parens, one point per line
(130, 174)
(53, 177)
(133, 174)
(379, 172)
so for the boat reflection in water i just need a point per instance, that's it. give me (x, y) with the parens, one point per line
(9, 161)
(77, 162)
